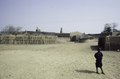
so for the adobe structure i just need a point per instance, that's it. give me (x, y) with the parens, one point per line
(111, 42)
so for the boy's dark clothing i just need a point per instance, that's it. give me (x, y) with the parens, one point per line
(98, 63)
(98, 57)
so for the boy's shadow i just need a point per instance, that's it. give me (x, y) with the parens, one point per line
(85, 71)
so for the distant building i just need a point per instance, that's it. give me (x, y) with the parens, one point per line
(78, 37)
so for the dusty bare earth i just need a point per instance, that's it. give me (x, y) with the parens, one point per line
(56, 61)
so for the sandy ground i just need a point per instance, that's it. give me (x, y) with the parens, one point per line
(56, 61)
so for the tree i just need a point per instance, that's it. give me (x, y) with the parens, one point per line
(114, 25)
(11, 29)
(107, 28)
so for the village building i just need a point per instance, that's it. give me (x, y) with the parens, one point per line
(110, 42)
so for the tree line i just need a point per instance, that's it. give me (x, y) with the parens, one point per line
(109, 28)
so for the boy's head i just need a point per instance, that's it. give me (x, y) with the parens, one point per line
(99, 49)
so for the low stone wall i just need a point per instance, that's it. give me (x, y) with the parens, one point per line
(27, 39)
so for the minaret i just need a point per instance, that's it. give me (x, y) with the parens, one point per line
(60, 30)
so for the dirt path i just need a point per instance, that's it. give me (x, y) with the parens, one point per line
(56, 61)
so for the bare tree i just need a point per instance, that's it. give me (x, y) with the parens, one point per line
(11, 29)
(107, 28)
(114, 25)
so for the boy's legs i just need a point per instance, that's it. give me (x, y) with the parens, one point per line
(101, 70)
(96, 69)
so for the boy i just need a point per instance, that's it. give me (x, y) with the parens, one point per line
(98, 55)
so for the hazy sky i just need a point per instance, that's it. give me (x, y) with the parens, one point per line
(87, 16)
